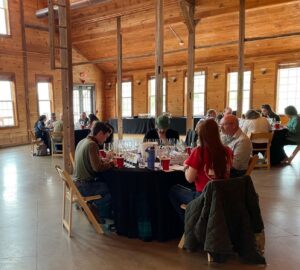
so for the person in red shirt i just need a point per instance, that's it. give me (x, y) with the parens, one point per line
(209, 161)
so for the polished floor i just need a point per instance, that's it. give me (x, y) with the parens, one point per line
(31, 234)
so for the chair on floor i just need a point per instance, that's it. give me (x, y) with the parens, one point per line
(264, 148)
(57, 141)
(252, 162)
(72, 195)
(72, 160)
(34, 142)
(289, 159)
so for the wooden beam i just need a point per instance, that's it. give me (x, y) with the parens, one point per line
(66, 82)
(37, 27)
(119, 79)
(25, 67)
(272, 37)
(241, 58)
(159, 60)
(51, 24)
(190, 23)
(185, 9)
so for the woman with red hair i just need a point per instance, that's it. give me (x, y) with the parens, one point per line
(210, 161)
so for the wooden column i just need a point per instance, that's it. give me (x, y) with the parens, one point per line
(25, 67)
(119, 79)
(241, 58)
(65, 46)
(159, 58)
(188, 11)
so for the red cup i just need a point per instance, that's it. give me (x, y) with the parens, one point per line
(165, 163)
(120, 162)
(276, 125)
(188, 149)
(102, 153)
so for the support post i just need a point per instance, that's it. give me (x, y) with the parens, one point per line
(119, 79)
(188, 12)
(241, 58)
(159, 55)
(66, 80)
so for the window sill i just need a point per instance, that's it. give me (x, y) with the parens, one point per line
(5, 35)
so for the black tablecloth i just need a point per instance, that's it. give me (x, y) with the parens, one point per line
(80, 134)
(142, 125)
(134, 125)
(277, 153)
(140, 202)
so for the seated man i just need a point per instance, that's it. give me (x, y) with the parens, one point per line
(58, 127)
(87, 168)
(239, 143)
(83, 121)
(50, 123)
(162, 132)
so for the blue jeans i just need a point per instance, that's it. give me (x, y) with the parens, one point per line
(91, 188)
(178, 195)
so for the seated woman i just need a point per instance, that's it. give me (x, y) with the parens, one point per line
(209, 161)
(254, 123)
(41, 131)
(266, 111)
(293, 126)
(92, 119)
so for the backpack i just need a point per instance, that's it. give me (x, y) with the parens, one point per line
(42, 150)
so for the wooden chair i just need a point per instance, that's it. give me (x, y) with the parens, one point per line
(72, 161)
(252, 162)
(34, 142)
(57, 143)
(72, 195)
(267, 136)
(289, 159)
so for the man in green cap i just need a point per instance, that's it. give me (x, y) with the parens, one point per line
(162, 132)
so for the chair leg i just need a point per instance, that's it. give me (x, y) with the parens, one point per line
(296, 150)
(209, 258)
(181, 243)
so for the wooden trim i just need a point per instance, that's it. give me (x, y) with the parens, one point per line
(276, 87)
(25, 66)
(36, 27)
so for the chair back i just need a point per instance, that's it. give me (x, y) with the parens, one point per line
(71, 193)
(72, 160)
(262, 147)
(56, 140)
(252, 162)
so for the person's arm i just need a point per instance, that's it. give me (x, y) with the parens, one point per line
(190, 174)
(292, 125)
(97, 163)
(241, 154)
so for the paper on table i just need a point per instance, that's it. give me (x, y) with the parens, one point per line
(177, 167)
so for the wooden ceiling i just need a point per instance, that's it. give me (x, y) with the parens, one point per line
(94, 31)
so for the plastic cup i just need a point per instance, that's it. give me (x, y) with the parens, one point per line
(277, 125)
(188, 149)
(120, 162)
(165, 163)
(102, 153)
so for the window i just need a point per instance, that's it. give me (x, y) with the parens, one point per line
(151, 93)
(126, 99)
(7, 102)
(232, 87)
(83, 100)
(288, 90)
(4, 22)
(44, 94)
(199, 93)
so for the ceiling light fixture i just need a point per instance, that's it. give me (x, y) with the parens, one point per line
(180, 41)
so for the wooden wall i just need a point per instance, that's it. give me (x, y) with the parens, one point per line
(263, 86)
(38, 63)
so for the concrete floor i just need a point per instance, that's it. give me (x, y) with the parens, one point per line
(32, 237)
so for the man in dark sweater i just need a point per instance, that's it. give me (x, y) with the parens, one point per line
(162, 132)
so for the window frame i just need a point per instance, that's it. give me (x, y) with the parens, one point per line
(230, 69)
(205, 91)
(8, 20)
(44, 79)
(93, 97)
(9, 76)
(149, 76)
(282, 65)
